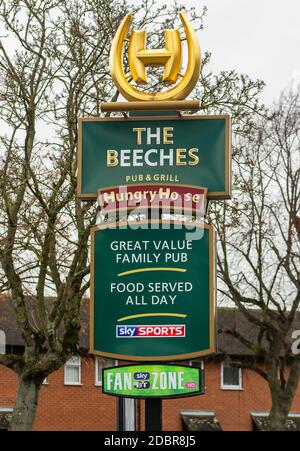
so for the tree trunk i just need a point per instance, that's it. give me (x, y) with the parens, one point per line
(281, 404)
(278, 417)
(282, 396)
(26, 405)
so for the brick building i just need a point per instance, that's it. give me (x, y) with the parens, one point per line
(72, 399)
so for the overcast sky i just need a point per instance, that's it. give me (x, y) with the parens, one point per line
(258, 37)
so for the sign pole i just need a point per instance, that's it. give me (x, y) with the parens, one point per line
(138, 414)
(126, 415)
(153, 414)
(120, 414)
(154, 158)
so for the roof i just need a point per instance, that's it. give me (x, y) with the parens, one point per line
(234, 320)
(227, 318)
(8, 322)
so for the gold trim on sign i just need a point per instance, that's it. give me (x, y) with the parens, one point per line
(212, 283)
(151, 105)
(143, 315)
(92, 280)
(133, 271)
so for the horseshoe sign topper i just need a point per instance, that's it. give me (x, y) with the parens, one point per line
(170, 57)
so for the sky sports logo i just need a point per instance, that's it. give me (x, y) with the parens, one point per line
(147, 331)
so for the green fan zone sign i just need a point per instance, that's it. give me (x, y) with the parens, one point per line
(153, 381)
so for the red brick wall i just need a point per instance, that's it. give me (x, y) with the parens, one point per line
(75, 407)
(232, 407)
(66, 407)
(84, 407)
(8, 387)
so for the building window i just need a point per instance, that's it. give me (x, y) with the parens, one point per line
(100, 364)
(231, 377)
(45, 381)
(73, 371)
(197, 364)
(2, 342)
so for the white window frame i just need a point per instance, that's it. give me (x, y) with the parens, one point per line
(65, 372)
(97, 382)
(2, 342)
(45, 381)
(201, 368)
(6, 409)
(231, 387)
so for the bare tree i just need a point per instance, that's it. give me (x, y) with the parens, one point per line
(259, 247)
(54, 69)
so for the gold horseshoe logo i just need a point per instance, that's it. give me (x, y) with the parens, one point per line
(169, 57)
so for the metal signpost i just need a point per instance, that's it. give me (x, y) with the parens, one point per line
(153, 282)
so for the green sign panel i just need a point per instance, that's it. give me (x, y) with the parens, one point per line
(153, 381)
(192, 151)
(152, 291)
